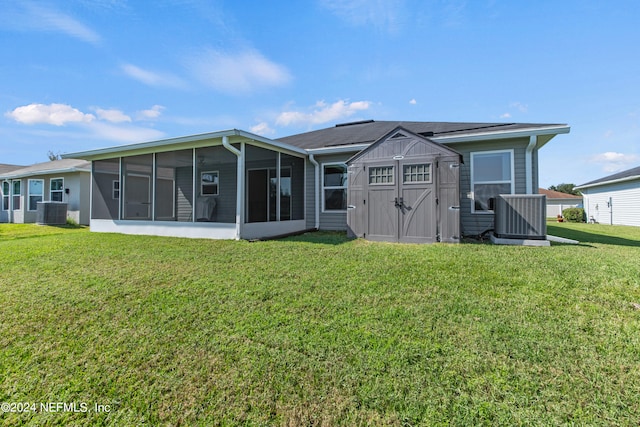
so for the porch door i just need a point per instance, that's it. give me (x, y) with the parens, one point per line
(137, 197)
(401, 201)
(257, 195)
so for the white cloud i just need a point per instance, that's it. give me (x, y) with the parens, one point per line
(263, 129)
(53, 114)
(322, 113)
(505, 116)
(31, 16)
(151, 78)
(523, 108)
(150, 114)
(238, 72)
(382, 14)
(614, 162)
(113, 116)
(413, 101)
(107, 124)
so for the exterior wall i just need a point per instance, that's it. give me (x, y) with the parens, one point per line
(624, 208)
(328, 220)
(477, 223)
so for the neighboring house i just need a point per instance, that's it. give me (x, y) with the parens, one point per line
(614, 199)
(235, 184)
(66, 180)
(558, 201)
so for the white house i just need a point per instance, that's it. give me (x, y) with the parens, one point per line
(558, 201)
(614, 199)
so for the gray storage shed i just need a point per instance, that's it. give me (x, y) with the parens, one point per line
(404, 188)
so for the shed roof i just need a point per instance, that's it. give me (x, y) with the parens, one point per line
(627, 175)
(551, 194)
(45, 168)
(369, 131)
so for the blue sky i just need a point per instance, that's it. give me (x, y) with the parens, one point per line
(83, 74)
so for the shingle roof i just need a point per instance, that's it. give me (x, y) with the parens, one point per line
(55, 166)
(369, 131)
(620, 176)
(4, 168)
(551, 194)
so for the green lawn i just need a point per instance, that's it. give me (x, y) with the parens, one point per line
(319, 330)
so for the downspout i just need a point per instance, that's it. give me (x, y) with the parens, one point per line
(240, 183)
(528, 163)
(317, 190)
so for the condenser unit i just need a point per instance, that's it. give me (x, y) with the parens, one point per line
(520, 216)
(51, 213)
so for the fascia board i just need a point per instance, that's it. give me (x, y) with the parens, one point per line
(507, 134)
(192, 141)
(613, 181)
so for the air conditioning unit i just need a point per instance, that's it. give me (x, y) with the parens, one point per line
(521, 216)
(51, 213)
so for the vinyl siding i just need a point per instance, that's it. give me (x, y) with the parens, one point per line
(625, 203)
(476, 223)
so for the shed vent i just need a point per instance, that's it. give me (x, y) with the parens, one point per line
(51, 213)
(521, 216)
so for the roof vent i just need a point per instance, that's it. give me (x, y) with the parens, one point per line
(354, 123)
(427, 134)
(399, 135)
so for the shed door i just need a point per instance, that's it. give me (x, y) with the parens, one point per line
(417, 201)
(381, 202)
(401, 201)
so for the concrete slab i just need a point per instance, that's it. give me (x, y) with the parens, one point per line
(519, 242)
(561, 240)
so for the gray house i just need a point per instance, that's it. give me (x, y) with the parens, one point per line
(237, 185)
(614, 199)
(65, 180)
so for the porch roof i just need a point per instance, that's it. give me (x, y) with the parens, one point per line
(180, 143)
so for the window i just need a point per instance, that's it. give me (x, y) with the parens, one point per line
(209, 183)
(5, 195)
(491, 174)
(36, 193)
(419, 173)
(334, 187)
(57, 189)
(115, 190)
(17, 193)
(381, 175)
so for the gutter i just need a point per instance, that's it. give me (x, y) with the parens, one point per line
(528, 163)
(317, 192)
(240, 182)
(613, 181)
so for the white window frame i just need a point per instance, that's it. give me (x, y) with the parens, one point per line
(52, 191)
(202, 184)
(6, 195)
(29, 207)
(511, 181)
(18, 195)
(114, 189)
(331, 187)
(390, 176)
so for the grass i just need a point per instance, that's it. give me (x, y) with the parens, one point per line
(320, 330)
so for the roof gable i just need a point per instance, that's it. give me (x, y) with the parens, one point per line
(54, 166)
(402, 142)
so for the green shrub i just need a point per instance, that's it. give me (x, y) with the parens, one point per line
(574, 215)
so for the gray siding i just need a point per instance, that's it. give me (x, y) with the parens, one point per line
(476, 223)
(328, 220)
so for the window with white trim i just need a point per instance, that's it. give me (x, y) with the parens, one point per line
(334, 187)
(381, 175)
(492, 173)
(209, 182)
(56, 189)
(418, 173)
(17, 195)
(5, 195)
(36, 193)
